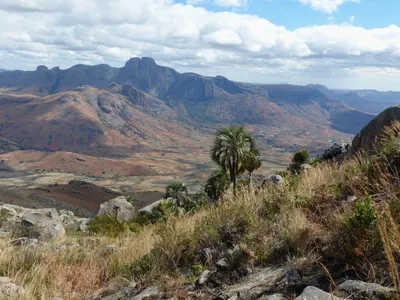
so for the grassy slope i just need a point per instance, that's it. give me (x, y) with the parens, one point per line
(295, 224)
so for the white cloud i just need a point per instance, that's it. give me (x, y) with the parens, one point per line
(235, 3)
(351, 19)
(238, 46)
(328, 6)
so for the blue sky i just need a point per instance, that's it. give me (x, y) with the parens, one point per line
(346, 44)
(292, 14)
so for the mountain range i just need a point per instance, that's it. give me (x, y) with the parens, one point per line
(104, 111)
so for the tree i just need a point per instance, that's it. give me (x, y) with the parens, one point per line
(253, 161)
(300, 157)
(217, 184)
(177, 191)
(231, 150)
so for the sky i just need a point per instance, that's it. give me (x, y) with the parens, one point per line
(345, 44)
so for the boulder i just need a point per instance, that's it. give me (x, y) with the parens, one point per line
(305, 167)
(367, 138)
(149, 208)
(118, 208)
(70, 221)
(277, 179)
(9, 289)
(44, 224)
(313, 293)
(336, 151)
(370, 290)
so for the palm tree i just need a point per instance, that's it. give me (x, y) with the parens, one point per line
(231, 149)
(253, 161)
(217, 184)
(176, 190)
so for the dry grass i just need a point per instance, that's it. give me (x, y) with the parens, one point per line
(287, 224)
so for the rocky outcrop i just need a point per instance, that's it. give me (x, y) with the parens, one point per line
(368, 137)
(45, 224)
(369, 290)
(149, 208)
(277, 179)
(118, 208)
(336, 151)
(135, 96)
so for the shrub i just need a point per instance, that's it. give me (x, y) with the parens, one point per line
(364, 216)
(107, 225)
(301, 157)
(191, 205)
(131, 200)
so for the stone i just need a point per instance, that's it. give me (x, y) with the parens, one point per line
(24, 242)
(70, 221)
(9, 289)
(203, 277)
(367, 289)
(277, 179)
(351, 198)
(313, 293)
(149, 208)
(305, 167)
(118, 208)
(269, 280)
(335, 151)
(45, 224)
(274, 297)
(147, 293)
(222, 264)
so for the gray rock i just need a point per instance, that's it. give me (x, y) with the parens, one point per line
(149, 208)
(269, 280)
(273, 297)
(313, 293)
(119, 208)
(222, 264)
(71, 222)
(24, 242)
(334, 151)
(45, 224)
(351, 198)
(203, 277)
(149, 292)
(9, 289)
(369, 289)
(277, 179)
(305, 167)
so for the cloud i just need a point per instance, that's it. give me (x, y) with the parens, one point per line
(190, 38)
(235, 3)
(351, 19)
(328, 6)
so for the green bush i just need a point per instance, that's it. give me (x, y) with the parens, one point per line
(191, 205)
(301, 157)
(364, 216)
(107, 225)
(131, 200)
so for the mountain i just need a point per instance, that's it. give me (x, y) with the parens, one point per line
(101, 111)
(366, 139)
(3, 70)
(368, 101)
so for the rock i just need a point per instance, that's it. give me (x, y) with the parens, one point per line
(277, 179)
(313, 293)
(370, 135)
(367, 289)
(25, 242)
(222, 264)
(45, 224)
(305, 167)
(274, 297)
(118, 207)
(351, 198)
(149, 208)
(134, 95)
(147, 293)
(80, 159)
(71, 222)
(9, 289)
(117, 289)
(203, 277)
(335, 151)
(269, 280)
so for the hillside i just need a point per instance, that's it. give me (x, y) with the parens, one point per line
(329, 232)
